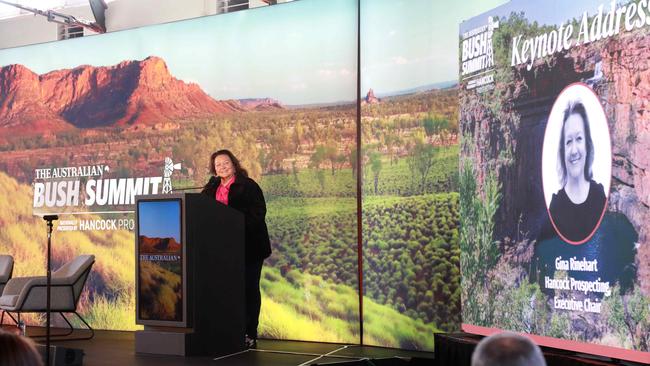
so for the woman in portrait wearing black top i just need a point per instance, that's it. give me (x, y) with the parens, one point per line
(577, 208)
(231, 186)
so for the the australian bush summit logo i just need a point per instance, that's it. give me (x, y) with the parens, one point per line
(477, 56)
(90, 189)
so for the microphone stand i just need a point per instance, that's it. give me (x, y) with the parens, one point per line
(48, 219)
(187, 188)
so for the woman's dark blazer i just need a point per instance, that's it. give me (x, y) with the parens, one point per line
(246, 196)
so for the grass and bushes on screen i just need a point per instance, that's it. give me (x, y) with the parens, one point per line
(108, 299)
(303, 160)
(304, 306)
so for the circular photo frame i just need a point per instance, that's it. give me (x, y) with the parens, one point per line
(576, 163)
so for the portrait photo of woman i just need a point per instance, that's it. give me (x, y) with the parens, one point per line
(576, 131)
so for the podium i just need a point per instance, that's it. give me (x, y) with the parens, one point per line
(189, 276)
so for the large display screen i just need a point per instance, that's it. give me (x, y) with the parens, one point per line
(409, 139)
(554, 184)
(160, 261)
(82, 134)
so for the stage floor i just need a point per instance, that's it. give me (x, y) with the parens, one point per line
(118, 348)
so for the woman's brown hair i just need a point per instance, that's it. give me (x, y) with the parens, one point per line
(17, 350)
(235, 162)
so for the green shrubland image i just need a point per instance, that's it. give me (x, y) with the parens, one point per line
(305, 162)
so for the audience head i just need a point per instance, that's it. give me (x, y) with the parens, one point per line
(18, 350)
(507, 349)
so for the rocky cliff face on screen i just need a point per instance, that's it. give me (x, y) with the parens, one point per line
(513, 253)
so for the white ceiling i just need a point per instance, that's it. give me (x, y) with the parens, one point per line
(7, 11)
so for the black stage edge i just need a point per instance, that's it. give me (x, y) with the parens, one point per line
(118, 348)
(457, 348)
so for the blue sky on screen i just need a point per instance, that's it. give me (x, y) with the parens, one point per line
(410, 43)
(160, 219)
(548, 12)
(299, 53)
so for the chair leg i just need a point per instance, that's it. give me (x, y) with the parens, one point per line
(63, 337)
(69, 327)
(92, 331)
(12, 318)
(2, 318)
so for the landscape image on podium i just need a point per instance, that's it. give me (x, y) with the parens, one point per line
(160, 260)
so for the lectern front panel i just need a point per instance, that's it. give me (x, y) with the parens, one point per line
(160, 262)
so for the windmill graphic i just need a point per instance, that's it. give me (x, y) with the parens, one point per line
(167, 176)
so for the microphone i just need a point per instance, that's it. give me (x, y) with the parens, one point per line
(187, 188)
(50, 217)
(213, 182)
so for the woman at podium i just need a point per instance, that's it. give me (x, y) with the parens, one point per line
(231, 186)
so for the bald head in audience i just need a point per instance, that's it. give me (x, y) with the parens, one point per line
(507, 349)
